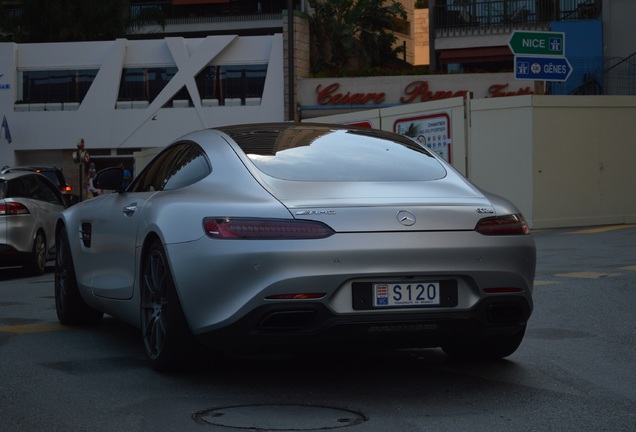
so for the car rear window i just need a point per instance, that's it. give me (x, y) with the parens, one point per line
(306, 153)
(51, 175)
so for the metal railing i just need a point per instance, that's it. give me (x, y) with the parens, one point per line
(479, 16)
(599, 76)
(232, 11)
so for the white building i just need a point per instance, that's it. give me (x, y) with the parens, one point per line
(124, 95)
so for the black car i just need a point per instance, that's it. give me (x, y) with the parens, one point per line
(54, 174)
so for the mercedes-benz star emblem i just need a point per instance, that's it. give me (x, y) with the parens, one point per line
(405, 218)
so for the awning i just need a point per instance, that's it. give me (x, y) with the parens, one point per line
(476, 55)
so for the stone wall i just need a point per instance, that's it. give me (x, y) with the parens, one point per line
(301, 53)
(421, 37)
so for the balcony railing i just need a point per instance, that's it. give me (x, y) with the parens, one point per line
(230, 11)
(479, 16)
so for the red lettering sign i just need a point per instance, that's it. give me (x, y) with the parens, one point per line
(496, 90)
(329, 96)
(420, 89)
(417, 91)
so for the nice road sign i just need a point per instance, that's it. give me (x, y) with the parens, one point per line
(542, 68)
(537, 43)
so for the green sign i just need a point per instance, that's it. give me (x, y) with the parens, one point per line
(537, 43)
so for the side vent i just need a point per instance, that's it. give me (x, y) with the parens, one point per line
(85, 234)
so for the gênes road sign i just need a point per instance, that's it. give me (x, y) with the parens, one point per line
(542, 68)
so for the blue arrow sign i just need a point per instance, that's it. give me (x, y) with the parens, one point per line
(542, 68)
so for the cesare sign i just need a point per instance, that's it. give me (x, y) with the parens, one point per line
(416, 91)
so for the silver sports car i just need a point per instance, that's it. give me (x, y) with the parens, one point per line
(298, 236)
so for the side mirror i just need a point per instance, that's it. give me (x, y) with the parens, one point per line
(109, 179)
(70, 199)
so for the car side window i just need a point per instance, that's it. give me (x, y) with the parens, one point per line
(15, 188)
(37, 188)
(51, 175)
(178, 166)
(32, 188)
(48, 192)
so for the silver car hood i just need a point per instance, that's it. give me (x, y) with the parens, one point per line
(446, 204)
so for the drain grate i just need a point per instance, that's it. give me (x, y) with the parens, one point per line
(279, 417)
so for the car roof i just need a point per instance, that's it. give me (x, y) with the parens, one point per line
(10, 175)
(32, 168)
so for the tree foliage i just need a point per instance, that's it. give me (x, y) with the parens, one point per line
(71, 20)
(354, 34)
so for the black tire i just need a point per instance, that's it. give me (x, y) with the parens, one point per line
(69, 304)
(495, 348)
(37, 259)
(169, 343)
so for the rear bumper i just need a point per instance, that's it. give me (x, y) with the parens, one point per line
(222, 284)
(10, 257)
(312, 325)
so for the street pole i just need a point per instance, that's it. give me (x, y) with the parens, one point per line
(290, 62)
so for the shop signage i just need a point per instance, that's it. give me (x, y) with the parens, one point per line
(431, 130)
(416, 91)
(329, 95)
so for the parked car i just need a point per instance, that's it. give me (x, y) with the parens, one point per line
(29, 207)
(298, 235)
(56, 176)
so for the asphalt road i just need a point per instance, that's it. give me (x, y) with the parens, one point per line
(575, 370)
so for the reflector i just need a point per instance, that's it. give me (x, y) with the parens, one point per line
(297, 296)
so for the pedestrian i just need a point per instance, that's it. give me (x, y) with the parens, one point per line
(91, 190)
(127, 176)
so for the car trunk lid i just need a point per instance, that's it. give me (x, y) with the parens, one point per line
(399, 206)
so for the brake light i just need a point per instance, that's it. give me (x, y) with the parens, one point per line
(503, 225)
(13, 208)
(264, 229)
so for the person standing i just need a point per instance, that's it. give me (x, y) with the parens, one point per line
(91, 190)
(127, 176)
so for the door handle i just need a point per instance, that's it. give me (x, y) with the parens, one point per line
(129, 210)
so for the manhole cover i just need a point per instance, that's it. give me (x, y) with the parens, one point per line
(279, 417)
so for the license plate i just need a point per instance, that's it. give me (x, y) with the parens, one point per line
(406, 294)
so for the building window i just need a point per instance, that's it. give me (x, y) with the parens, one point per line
(144, 84)
(218, 85)
(232, 84)
(61, 86)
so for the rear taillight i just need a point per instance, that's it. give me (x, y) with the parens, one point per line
(264, 229)
(503, 225)
(13, 208)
